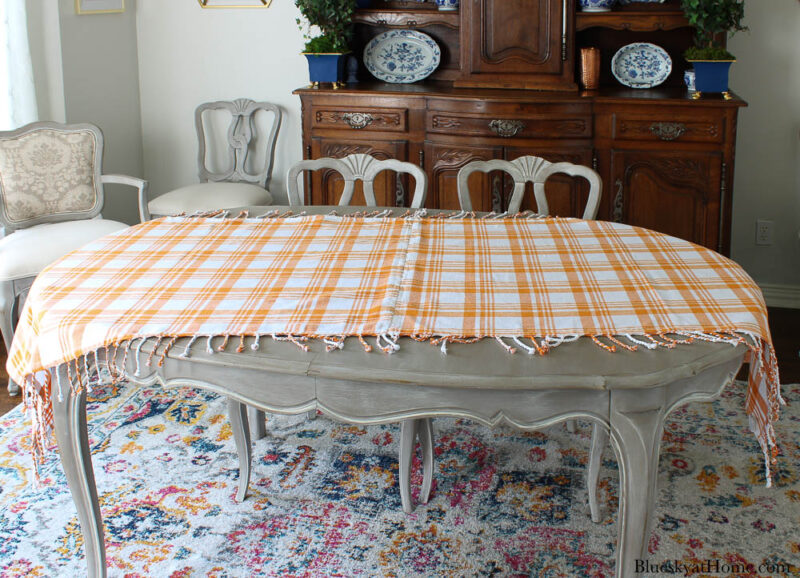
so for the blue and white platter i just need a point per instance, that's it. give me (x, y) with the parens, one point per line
(402, 56)
(623, 2)
(641, 65)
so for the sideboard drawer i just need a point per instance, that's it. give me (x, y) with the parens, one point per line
(705, 128)
(360, 118)
(510, 125)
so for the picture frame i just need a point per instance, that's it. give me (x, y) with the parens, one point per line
(234, 3)
(99, 6)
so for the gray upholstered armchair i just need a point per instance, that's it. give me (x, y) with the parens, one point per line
(51, 197)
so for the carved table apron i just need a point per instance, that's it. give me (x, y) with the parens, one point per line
(628, 393)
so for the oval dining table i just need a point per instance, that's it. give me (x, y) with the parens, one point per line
(627, 393)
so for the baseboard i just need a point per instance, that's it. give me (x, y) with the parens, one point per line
(781, 295)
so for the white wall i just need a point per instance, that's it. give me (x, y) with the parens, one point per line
(188, 55)
(101, 85)
(767, 184)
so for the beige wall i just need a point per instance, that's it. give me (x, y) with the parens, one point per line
(101, 85)
(767, 183)
(188, 55)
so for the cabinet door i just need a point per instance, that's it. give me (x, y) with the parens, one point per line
(675, 192)
(517, 43)
(391, 189)
(566, 195)
(443, 162)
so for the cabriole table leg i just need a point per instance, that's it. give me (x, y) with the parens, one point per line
(637, 422)
(73, 446)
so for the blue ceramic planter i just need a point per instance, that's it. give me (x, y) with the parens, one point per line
(325, 67)
(711, 75)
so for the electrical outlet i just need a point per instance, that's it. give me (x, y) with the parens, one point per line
(764, 229)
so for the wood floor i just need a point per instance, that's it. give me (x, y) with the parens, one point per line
(784, 325)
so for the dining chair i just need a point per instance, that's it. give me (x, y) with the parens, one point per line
(365, 168)
(522, 170)
(530, 169)
(51, 199)
(245, 154)
(358, 167)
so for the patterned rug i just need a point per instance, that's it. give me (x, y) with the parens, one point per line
(324, 499)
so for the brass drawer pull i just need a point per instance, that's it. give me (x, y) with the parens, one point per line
(357, 120)
(506, 128)
(668, 130)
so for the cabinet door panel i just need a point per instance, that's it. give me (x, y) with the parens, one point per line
(390, 188)
(445, 161)
(516, 43)
(677, 193)
(566, 195)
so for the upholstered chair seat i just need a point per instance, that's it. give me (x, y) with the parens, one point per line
(30, 250)
(204, 197)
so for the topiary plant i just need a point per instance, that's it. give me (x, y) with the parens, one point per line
(326, 24)
(712, 21)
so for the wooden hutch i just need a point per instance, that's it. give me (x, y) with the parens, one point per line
(507, 86)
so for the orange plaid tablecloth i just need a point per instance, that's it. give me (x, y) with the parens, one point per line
(530, 283)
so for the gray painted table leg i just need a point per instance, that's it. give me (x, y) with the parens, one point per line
(237, 413)
(258, 426)
(637, 422)
(425, 434)
(599, 441)
(73, 447)
(408, 431)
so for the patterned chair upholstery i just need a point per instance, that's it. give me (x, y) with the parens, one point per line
(51, 197)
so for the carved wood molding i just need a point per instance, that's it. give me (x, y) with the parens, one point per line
(405, 20)
(576, 127)
(342, 150)
(451, 158)
(359, 119)
(690, 175)
(666, 130)
(445, 122)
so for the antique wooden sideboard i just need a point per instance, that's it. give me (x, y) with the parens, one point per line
(507, 86)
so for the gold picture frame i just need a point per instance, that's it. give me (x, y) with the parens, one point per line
(99, 6)
(234, 4)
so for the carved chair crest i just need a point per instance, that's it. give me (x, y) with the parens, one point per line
(361, 167)
(531, 169)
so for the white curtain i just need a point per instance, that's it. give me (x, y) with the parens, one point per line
(17, 94)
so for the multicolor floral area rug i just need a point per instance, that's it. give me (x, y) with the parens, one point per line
(324, 499)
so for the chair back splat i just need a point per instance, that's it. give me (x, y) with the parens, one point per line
(531, 169)
(354, 168)
(240, 135)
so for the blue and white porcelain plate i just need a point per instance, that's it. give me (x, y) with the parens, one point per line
(402, 56)
(641, 65)
(623, 2)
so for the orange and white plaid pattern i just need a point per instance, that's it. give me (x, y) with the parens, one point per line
(539, 280)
